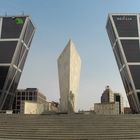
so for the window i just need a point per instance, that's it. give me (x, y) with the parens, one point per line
(30, 93)
(15, 82)
(26, 97)
(110, 32)
(28, 32)
(30, 98)
(131, 50)
(23, 97)
(7, 49)
(117, 98)
(18, 107)
(18, 98)
(18, 102)
(7, 103)
(118, 55)
(126, 25)
(3, 75)
(135, 72)
(23, 60)
(19, 53)
(11, 76)
(11, 27)
(138, 94)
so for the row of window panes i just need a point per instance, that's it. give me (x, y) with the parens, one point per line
(26, 98)
(27, 93)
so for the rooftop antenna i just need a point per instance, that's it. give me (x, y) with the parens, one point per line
(6, 14)
(22, 13)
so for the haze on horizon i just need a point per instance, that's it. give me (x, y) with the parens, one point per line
(84, 22)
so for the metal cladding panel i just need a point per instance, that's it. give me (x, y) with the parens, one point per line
(126, 25)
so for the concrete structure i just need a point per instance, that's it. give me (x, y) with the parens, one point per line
(26, 97)
(124, 34)
(16, 33)
(69, 127)
(30, 107)
(6, 111)
(52, 106)
(107, 95)
(118, 98)
(69, 65)
(107, 108)
(127, 110)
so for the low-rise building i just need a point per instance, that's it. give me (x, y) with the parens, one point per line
(31, 107)
(32, 95)
(108, 96)
(107, 108)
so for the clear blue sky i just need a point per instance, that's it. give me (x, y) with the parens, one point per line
(84, 22)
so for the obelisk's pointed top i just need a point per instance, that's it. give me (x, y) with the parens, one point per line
(70, 42)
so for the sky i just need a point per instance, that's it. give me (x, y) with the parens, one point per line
(84, 22)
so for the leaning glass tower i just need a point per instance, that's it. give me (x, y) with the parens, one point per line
(124, 34)
(16, 33)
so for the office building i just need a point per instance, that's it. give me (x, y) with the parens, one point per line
(29, 96)
(69, 65)
(16, 33)
(118, 98)
(107, 108)
(124, 34)
(107, 95)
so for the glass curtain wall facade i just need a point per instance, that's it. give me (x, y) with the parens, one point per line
(16, 33)
(124, 34)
